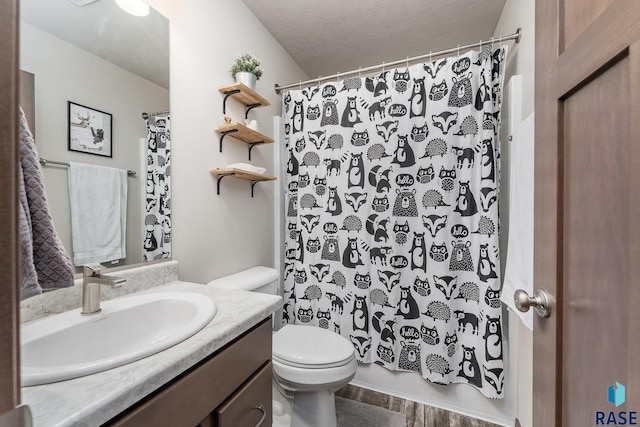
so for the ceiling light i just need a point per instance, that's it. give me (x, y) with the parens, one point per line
(134, 7)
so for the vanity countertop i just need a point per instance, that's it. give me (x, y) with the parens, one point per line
(94, 399)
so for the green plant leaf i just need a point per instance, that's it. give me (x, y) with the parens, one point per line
(246, 63)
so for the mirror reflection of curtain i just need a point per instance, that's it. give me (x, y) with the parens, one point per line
(157, 236)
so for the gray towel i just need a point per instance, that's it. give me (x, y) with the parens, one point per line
(44, 262)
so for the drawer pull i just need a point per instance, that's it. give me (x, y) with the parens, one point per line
(264, 415)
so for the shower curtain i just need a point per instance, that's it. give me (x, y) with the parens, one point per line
(157, 235)
(392, 185)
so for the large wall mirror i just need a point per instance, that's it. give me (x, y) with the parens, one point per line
(98, 56)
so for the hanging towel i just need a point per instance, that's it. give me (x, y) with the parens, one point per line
(98, 197)
(519, 266)
(44, 262)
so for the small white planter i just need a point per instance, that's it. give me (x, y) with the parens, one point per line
(248, 79)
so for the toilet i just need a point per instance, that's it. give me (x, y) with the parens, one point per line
(309, 363)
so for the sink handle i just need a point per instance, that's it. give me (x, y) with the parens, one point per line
(89, 270)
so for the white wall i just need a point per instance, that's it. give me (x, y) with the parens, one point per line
(64, 73)
(518, 13)
(217, 235)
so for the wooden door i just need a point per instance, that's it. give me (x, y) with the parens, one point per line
(587, 209)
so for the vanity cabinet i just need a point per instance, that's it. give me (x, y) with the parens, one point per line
(232, 387)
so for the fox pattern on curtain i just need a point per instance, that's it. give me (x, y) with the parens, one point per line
(157, 237)
(391, 209)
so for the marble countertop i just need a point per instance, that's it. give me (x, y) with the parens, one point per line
(92, 400)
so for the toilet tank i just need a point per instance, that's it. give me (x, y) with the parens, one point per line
(256, 279)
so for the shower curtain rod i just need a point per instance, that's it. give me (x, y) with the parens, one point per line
(45, 162)
(146, 115)
(515, 36)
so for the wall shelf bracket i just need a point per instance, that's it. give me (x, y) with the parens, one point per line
(249, 108)
(227, 132)
(253, 144)
(253, 184)
(227, 94)
(220, 180)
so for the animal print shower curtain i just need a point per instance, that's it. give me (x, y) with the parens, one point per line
(392, 185)
(157, 234)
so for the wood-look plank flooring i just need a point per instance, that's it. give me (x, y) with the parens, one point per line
(417, 414)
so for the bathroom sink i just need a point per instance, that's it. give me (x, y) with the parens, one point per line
(69, 345)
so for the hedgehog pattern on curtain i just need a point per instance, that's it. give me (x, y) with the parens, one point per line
(157, 237)
(391, 240)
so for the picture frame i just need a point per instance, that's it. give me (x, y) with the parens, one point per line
(89, 130)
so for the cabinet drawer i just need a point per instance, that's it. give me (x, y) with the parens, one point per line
(207, 422)
(250, 405)
(190, 397)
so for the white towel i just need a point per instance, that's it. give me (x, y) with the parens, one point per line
(98, 197)
(519, 266)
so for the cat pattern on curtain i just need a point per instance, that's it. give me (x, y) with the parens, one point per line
(157, 237)
(392, 184)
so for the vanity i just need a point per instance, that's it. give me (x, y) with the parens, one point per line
(221, 376)
(232, 387)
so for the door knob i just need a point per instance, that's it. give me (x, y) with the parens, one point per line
(541, 301)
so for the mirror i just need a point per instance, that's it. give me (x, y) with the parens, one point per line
(97, 55)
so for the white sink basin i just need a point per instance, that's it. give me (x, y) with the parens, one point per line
(70, 345)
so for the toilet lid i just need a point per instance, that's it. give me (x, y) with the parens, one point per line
(311, 347)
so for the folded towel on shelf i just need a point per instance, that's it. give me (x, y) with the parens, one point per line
(519, 266)
(247, 167)
(98, 198)
(44, 262)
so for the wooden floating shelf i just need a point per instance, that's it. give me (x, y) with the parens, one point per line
(241, 174)
(244, 134)
(245, 95)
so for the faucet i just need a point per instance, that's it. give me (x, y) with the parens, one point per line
(91, 281)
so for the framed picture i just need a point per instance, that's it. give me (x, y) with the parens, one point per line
(89, 130)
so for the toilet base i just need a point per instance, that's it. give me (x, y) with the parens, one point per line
(314, 409)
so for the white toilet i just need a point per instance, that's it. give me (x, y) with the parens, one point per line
(308, 362)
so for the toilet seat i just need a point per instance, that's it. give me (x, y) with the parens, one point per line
(310, 347)
(305, 379)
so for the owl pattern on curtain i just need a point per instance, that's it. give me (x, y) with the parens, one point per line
(392, 185)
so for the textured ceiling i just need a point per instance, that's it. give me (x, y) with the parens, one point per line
(139, 45)
(329, 36)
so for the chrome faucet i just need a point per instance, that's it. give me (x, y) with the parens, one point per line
(92, 279)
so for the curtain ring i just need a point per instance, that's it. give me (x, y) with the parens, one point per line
(458, 50)
(338, 77)
(360, 72)
(382, 66)
(300, 84)
(430, 57)
(407, 62)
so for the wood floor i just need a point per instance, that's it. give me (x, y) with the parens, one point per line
(417, 414)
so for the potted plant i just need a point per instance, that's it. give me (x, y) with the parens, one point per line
(246, 69)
